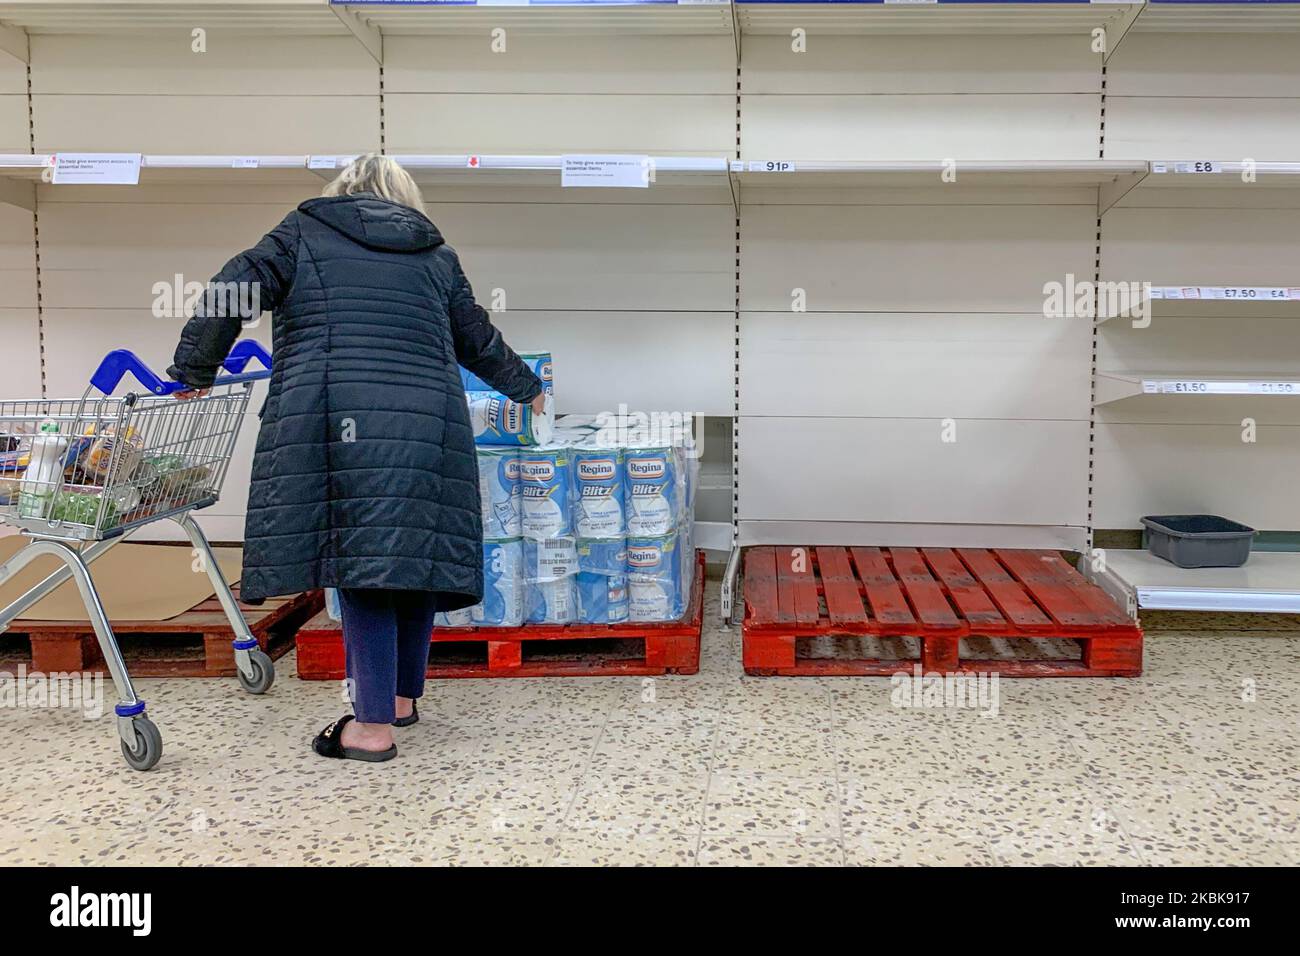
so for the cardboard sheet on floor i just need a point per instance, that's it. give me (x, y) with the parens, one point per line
(136, 582)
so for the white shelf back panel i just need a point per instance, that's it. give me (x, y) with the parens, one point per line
(652, 94)
(915, 364)
(900, 127)
(560, 123)
(928, 97)
(1204, 96)
(900, 470)
(1193, 469)
(14, 134)
(650, 361)
(249, 94)
(20, 332)
(534, 64)
(77, 339)
(920, 64)
(1209, 247)
(560, 256)
(916, 258)
(17, 258)
(110, 255)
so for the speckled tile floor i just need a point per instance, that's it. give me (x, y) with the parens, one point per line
(1196, 762)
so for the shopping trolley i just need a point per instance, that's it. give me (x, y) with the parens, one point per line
(78, 476)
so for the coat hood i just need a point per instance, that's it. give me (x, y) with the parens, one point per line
(375, 223)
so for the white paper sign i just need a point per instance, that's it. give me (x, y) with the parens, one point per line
(100, 169)
(626, 172)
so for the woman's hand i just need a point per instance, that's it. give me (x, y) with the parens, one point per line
(538, 404)
(188, 394)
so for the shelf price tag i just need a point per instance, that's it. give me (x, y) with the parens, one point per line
(245, 162)
(612, 171)
(1200, 166)
(1193, 387)
(322, 162)
(771, 166)
(98, 169)
(1234, 293)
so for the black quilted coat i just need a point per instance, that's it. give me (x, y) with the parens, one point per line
(365, 473)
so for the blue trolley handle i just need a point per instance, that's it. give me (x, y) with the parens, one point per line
(121, 362)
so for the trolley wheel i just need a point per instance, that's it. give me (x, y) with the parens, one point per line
(148, 745)
(263, 673)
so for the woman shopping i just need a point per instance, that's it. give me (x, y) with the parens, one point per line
(364, 477)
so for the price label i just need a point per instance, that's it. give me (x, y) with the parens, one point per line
(245, 162)
(1194, 387)
(772, 166)
(98, 169)
(1235, 293)
(322, 162)
(1199, 166)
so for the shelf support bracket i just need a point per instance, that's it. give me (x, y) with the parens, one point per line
(363, 30)
(1121, 31)
(14, 42)
(1112, 192)
(18, 193)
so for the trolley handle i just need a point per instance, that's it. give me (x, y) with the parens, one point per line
(122, 362)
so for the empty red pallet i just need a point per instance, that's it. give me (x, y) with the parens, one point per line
(876, 611)
(535, 650)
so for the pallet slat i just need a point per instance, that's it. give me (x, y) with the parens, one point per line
(840, 587)
(923, 590)
(975, 605)
(883, 592)
(796, 587)
(1027, 611)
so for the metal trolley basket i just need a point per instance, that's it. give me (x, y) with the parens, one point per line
(78, 476)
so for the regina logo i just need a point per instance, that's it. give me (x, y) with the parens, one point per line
(596, 469)
(540, 471)
(544, 373)
(511, 469)
(647, 557)
(646, 467)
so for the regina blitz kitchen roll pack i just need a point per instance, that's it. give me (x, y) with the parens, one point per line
(582, 528)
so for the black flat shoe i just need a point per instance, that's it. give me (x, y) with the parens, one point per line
(407, 721)
(329, 743)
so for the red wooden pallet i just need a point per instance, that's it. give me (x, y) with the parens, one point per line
(1021, 602)
(196, 643)
(597, 650)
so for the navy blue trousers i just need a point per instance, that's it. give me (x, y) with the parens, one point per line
(386, 634)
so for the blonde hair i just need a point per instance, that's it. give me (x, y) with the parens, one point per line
(378, 174)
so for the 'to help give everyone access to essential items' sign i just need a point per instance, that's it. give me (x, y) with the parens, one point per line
(612, 171)
(97, 169)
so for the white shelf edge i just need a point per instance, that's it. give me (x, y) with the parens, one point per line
(1144, 582)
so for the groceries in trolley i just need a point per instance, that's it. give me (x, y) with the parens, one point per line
(497, 420)
(96, 473)
(605, 531)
